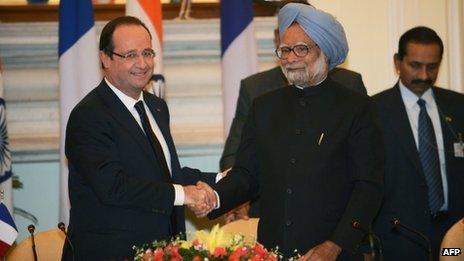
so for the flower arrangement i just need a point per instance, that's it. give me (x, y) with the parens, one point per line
(216, 245)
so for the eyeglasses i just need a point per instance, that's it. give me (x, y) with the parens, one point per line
(300, 50)
(134, 56)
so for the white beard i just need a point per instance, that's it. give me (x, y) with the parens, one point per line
(301, 75)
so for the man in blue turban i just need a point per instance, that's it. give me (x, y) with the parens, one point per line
(311, 151)
(325, 33)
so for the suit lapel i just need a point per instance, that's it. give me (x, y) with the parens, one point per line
(120, 114)
(399, 120)
(446, 121)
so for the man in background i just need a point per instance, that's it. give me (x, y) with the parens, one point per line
(422, 128)
(259, 84)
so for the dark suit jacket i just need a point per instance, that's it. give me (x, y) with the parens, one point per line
(405, 187)
(261, 83)
(309, 193)
(119, 197)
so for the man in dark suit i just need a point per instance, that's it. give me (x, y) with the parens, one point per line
(422, 128)
(125, 180)
(257, 85)
(311, 151)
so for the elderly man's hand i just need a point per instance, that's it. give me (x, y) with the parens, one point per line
(327, 251)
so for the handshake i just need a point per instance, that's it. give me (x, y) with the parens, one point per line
(200, 198)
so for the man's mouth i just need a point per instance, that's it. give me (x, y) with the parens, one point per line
(294, 68)
(139, 74)
(422, 82)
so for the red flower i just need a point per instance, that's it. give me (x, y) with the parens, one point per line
(234, 257)
(175, 251)
(256, 258)
(219, 252)
(238, 254)
(240, 251)
(271, 257)
(147, 256)
(260, 250)
(158, 254)
(197, 258)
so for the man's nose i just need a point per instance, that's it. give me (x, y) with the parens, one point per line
(423, 74)
(140, 61)
(292, 57)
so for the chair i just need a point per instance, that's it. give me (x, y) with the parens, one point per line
(454, 238)
(48, 245)
(248, 228)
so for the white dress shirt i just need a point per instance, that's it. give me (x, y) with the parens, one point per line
(412, 108)
(129, 102)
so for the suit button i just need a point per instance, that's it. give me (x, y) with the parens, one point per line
(303, 103)
(288, 222)
(293, 161)
(289, 191)
(298, 131)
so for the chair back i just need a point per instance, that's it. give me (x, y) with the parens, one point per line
(248, 228)
(48, 245)
(454, 238)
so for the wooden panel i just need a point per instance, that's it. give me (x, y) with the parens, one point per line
(104, 12)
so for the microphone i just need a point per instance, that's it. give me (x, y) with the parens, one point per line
(31, 229)
(397, 224)
(371, 237)
(62, 227)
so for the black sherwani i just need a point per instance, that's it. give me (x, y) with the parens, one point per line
(405, 186)
(264, 82)
(315, 158)
(119, 196)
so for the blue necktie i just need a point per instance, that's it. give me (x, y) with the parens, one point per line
(428, 154)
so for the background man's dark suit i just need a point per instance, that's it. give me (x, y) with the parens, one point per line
(261, 83)
(310, 188)
(118, 194)
(405, 186)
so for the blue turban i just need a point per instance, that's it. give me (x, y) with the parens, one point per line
(320, 26)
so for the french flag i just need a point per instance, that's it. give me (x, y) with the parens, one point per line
(238, 52)
(150, 13)
(8, 230)
(79, 68)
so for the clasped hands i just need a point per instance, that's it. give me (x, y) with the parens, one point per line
(201, 198)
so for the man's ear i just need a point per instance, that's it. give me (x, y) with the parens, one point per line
(105, 59)
(397, 61)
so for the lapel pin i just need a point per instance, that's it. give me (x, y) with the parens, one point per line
(320, 139)
(448, 119)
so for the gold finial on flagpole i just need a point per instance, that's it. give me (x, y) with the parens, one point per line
(185, 7)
